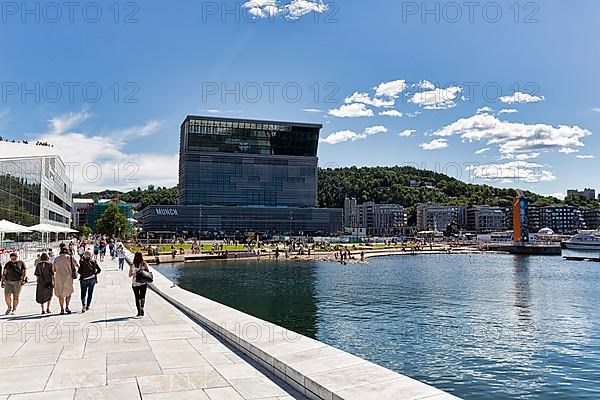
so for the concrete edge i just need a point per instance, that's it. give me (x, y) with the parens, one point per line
(315, 369)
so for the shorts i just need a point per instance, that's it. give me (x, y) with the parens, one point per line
(13, 287)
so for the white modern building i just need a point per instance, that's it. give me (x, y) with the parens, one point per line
(34, 186)
(371, 219)
(433, 217)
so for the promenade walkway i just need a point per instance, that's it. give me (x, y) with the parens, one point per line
(106, 353)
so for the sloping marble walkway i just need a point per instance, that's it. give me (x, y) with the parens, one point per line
(106, 353)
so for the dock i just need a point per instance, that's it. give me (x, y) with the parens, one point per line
(185, 347)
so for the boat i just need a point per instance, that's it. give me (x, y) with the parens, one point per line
(583, 241)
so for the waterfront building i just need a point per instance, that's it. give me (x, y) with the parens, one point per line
(433, 217)
(34, 186)
(561, 219)
(591, 218)
(238, 175)
(588, 193)
(371, 219)
(485, 219)
(98, 208)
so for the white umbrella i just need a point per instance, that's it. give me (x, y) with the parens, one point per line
(46, 228)
(10, 227)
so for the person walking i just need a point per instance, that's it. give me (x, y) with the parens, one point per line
(121, 256)
(14, 276)
(45, 282)
(139, 288)
(64, 266)
(96, 250)
(88, 277)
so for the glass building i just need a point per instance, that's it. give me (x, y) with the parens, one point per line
(246, 175)
(34, 187)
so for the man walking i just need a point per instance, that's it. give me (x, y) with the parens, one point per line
(13, 278)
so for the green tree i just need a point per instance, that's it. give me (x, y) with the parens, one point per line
(113, 222)
(85, 230)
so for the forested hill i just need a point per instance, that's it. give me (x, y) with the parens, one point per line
(379, 184)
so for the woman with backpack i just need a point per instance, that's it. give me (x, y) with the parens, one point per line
(45, 282)
(140, 272)
(88, 277)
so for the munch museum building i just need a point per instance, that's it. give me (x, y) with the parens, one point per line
(238, 176)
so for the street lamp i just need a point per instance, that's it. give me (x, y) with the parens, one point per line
(291, 219)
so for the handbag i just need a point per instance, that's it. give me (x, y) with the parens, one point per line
(144, 276)
(73, 269)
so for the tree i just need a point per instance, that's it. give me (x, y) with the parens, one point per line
(112, 222)
(85, 230)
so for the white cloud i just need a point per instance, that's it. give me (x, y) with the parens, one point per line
(352, 111)
(596, 109)
(481, 151)
(407, 133)
(559, 195)
(348, 135)
(96, 162)
(66, 122)
(373, 130)
(292, 11)
(435, 144)
(508, 111)
(390, 89)
(139, 131)
(484, 109)
(514, 171)
(585, 157)
(299, 8)
(520, 97)
(414, 114)
(391, 113)
(513, 138)
(312, 110)
(425, 84)
(527, 156)
(567, 150)
(364, 98)
(437, 98)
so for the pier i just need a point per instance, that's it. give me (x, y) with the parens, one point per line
(185, 347)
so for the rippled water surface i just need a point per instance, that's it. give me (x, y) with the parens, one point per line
(479, 326)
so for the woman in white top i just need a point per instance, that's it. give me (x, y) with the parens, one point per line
(139, 289)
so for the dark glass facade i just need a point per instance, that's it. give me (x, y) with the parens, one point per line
(20, 191)
(247, 163)
(238, 176)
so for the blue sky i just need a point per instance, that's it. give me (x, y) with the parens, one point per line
(394, 83)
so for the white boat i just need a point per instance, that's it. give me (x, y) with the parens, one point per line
(583, 241)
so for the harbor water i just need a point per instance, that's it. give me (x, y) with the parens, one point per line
(481, 326)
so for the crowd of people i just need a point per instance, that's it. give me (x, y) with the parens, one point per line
(37, 143)
(55, 275)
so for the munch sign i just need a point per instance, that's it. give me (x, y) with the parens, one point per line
(171, 212)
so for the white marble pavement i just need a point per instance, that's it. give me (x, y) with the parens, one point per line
(106, 353)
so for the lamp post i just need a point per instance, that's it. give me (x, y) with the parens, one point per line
(291, 219)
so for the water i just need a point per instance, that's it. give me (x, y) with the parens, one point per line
(479, 326)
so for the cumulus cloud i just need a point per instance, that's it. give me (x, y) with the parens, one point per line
(567, 150)
(425, 84)
(520, 97)
(293, 10)
(514, 171)
(435, 144)
(97, 161)
(348, 135)
(513, 138)
(481, 151)
(527, 156)
(484, 109)
(437, 98)
(585, 157)
(391, 113)
(508, 111)
(407, 133)
(390, 89)
(354, 110)
(363, 98)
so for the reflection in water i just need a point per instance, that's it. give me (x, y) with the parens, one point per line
(480, 326)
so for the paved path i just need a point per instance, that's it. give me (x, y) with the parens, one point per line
(105, 353)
